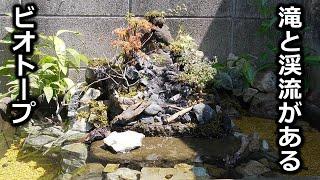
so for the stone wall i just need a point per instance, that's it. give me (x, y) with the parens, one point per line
(219, 26)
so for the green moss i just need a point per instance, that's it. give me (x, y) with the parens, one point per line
(154, 14)
(83, 115)
(98, 114)
(98, 63)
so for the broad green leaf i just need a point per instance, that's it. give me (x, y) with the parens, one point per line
(15, 82)
(59, 85)
(69, 82)
(47, 66)
(48, 92)
(75, 61)
(66, 31)
(248, 72)
(60, 49)
(63, 69)
(47, 59)
(315, 60)
(9, 29)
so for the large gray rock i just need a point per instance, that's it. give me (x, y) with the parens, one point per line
(125, 141)
(73, 156)
(81, 125)
(266, 81)
(124, 174)
(264, 105)
(55, 131)
(132, 73)
(39, 141)
(204, 113)
(92, 171)
(153, 109)
(163, 34)
(248, 94)
(91, 94)
(253, 168)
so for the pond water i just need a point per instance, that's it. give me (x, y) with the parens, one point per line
(16, 164)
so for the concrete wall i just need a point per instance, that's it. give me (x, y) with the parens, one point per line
(219, 26)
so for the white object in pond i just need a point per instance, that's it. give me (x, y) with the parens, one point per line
(125, 141)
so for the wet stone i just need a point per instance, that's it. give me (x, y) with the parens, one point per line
(92, 171)
(124, 174)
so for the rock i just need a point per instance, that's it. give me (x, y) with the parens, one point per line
(73, 156)
(200, 172)
(84, 108)
(264, 161)
(215, 171)
(124, 174)
(91, 94)
(186, 118)
(125, 141)
(264, 145)
(153, 109)
(97, 134)
(227, 123)
(39, 141)
(183, 166)
(264, 105)
(81, 125)
(55, 131)
(110, 168)
(253, 168)
(248, 94)
(175, 98)
(66, 176)
(266, 82)
(147, 120)
(184, 172)
(132, 73)
(3, 107)
(92, 171)
(72, 137)
(254, 144)
(166, 173)
(204, 113)
(163, 34)
(231, 112)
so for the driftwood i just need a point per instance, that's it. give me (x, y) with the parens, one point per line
(178, 114)
(131, 113)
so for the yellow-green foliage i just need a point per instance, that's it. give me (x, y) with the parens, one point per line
(154, 14)
(83, 115)
(182, 43)
(197, 69)
(17, 164)
(99, 111)
(98, 63)
(199, 74)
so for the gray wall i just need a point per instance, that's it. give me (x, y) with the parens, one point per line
(219, 26)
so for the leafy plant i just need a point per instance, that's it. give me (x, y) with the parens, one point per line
(98, 114)
(197, 70)
(129, 39)
(54, 60)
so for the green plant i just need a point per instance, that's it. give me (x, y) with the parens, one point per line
(98, 114)
(54, 60)
(197, 70)
(154, 14)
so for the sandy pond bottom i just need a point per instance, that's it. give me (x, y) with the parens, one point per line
(16, 164)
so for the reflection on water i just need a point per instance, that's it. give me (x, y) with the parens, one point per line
(267, 130)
